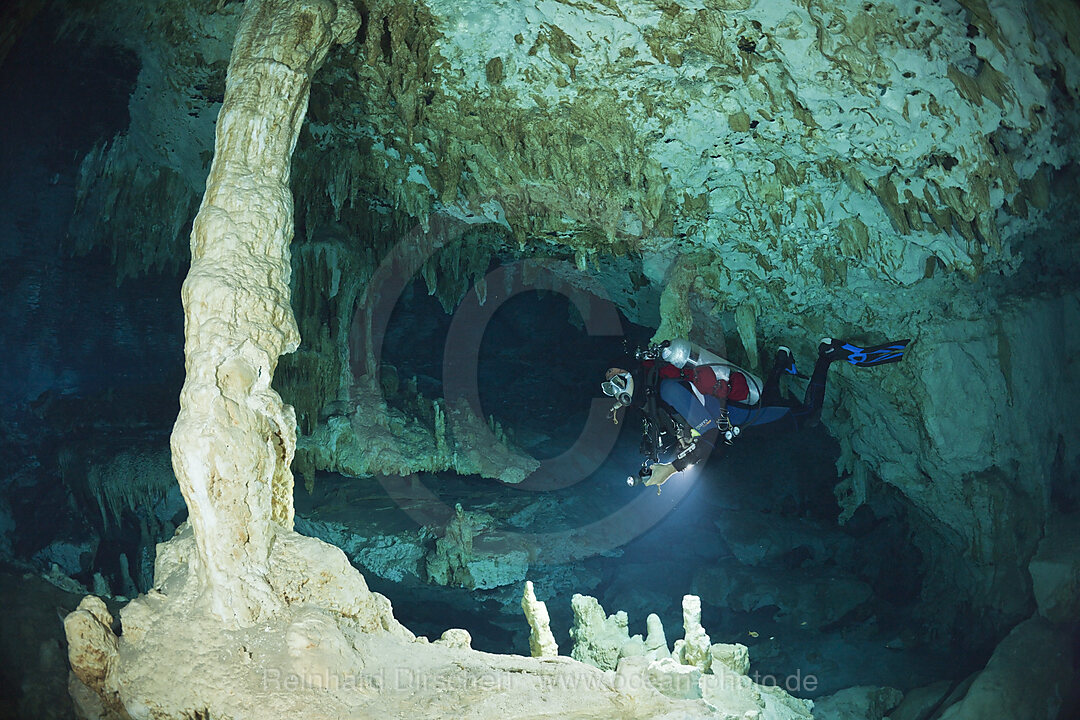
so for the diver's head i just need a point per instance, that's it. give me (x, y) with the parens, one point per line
(618, 384)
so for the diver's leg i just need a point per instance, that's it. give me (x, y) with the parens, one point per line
(815, 391)
(770, 394)
(810, 410)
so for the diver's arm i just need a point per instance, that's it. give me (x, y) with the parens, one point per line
(658, 473)
(702, 446)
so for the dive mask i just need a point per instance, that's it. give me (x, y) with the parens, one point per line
(619, 386)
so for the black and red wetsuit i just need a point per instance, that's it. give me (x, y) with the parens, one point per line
(704, 379)
(671, 386)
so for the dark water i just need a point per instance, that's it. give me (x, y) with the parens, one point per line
(538, 374)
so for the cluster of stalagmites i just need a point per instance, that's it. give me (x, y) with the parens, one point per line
(694, 668)
(332, 623)
(1027, 676)
(357, 415)
(371, 437)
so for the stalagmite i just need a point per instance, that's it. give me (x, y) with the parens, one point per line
(234, 439)
(601, 639)
(541, 641)
(656, 646)
(92, 652)
(693, 649)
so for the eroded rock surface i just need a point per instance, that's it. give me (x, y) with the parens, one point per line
(1028, 676)
(336, 650)
(1055, 571)
(771, 171)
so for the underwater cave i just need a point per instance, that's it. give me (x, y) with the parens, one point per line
(343, 375)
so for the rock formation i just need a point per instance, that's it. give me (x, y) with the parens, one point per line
(695, 669)
(601, 640)
(858, 703)
(741, 171)
(247, 617)
(541, 641)
(1055, 571)
(1028, 676)
(693, 649)
(762, 171)
(234, 440)
(465, 557)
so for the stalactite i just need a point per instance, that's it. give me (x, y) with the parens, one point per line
(746, 322)
(132, 481)
(675, 317)
(441, 444)
(112, 192)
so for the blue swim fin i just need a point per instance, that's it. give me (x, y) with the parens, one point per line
(883, 354)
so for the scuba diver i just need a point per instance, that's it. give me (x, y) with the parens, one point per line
(690, 398)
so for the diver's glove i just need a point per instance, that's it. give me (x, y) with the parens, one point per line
(660, 474)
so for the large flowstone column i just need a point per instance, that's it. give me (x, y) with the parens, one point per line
(234, 439)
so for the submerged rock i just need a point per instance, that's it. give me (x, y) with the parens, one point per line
(599, 639)
(757, 539)
(656, 645)
(1027, 677)
(541, 641)
(468, 556)
(734, 657)
(917, 703)
(336, 650)
(694, 647)
(674, 679)
(857, 703)
(803, 596)
(1055, 570)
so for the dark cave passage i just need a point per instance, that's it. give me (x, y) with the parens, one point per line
(538, 366)
(761, 511)
(93, 367)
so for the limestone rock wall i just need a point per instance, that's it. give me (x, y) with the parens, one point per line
(802, 139)
(969, 432)
(137, 193)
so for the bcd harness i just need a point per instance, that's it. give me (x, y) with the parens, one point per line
(659, 425)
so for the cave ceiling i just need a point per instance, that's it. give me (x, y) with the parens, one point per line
(792, 153)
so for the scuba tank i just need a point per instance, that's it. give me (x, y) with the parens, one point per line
(682, 353)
